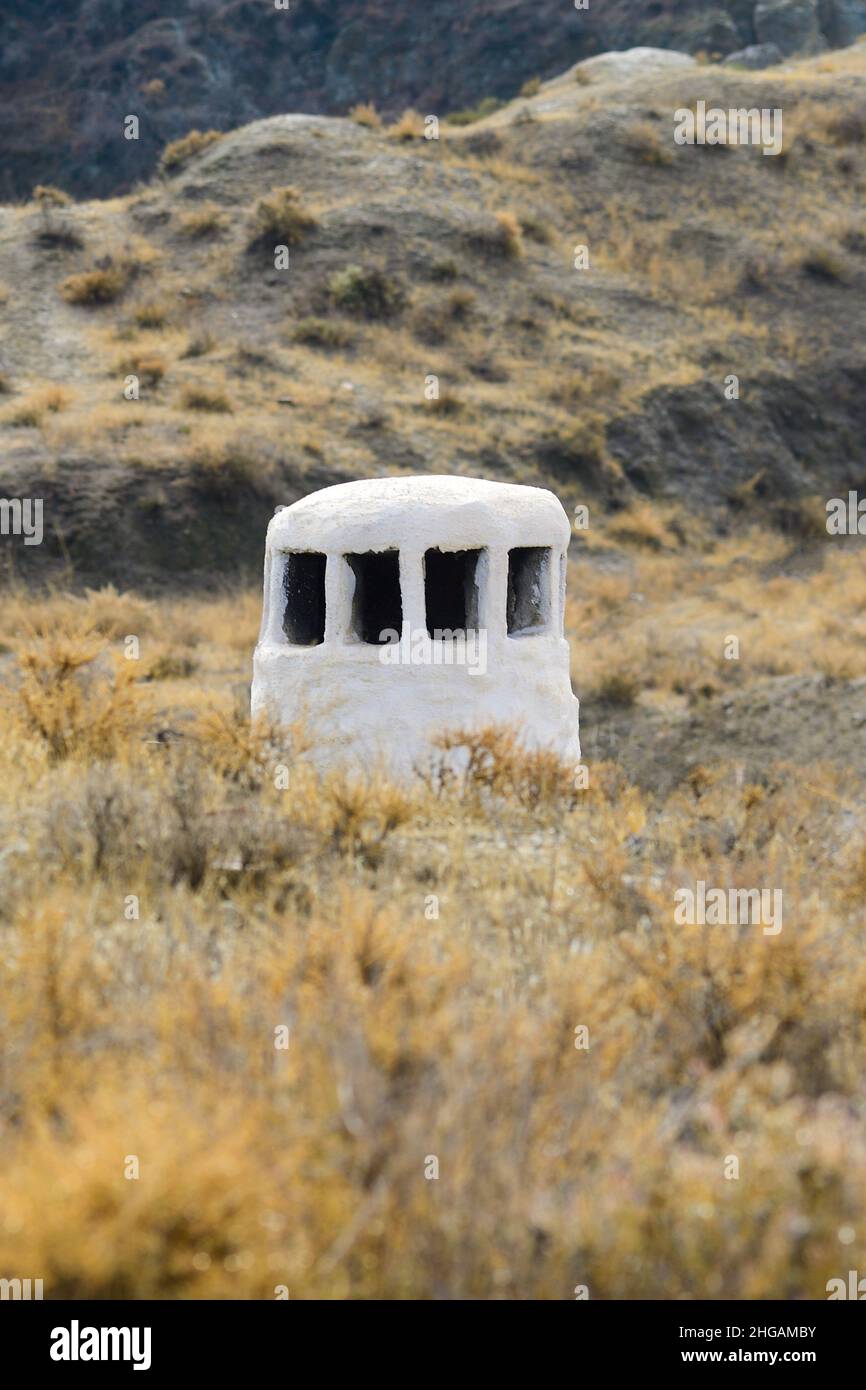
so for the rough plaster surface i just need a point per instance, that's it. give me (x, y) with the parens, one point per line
(360, 709)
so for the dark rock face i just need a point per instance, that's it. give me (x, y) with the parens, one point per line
(843, 21)
(69, 75)
(793, 25)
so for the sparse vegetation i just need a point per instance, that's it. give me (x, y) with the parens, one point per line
(221, 463)
(471, 114)
(577, 447)
(103, 285)
(534, 227)
(170, 665)
(149, 367)
(824, 263)
(322, 333)
(210, 399)
(436, 320)
(68, 707)
(55, 228)
(280, 218)
(847, 127)
(48, 198)
(152, 313)
(444, 270)
(31, 410)
(502, 236)
(203, 221)
(180, 152)
(409, 127)
(649, 144)
(447, 402)
(154, 89)
(366, 292)
(645, 525)
(618, 687)
(365, 113)
(199, 345)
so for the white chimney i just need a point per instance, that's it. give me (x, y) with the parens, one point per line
(398, 608)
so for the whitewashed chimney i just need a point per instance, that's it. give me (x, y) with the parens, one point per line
(397, 608)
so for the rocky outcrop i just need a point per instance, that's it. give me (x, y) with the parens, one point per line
(757, 55)
(842, 21)
(634, 62)
(793, 25)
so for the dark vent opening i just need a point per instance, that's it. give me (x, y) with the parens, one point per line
(377, 607)
(528, 605)
(304, 591)
(451, 590)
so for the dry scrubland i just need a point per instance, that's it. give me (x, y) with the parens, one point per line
(412, 1036)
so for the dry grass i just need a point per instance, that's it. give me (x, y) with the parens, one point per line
(54, 227)
(149, 367)
(410, 126)
(66, 704)
(111, 275)
(430, 954)
(180, 152)
(649, 144)
(152, 313)
(447, 402)
(365, 292)
(47, 197)
(365, 114)
(471, 114)
(281, 218)
(227, 460)
(203, 221)
(103, 285)
(658, 630)
(31, 411)
(200, 396)
(507, 235)
(437, 319)
(322, 333)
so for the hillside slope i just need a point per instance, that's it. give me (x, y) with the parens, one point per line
(70, 74)
(413, 258)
